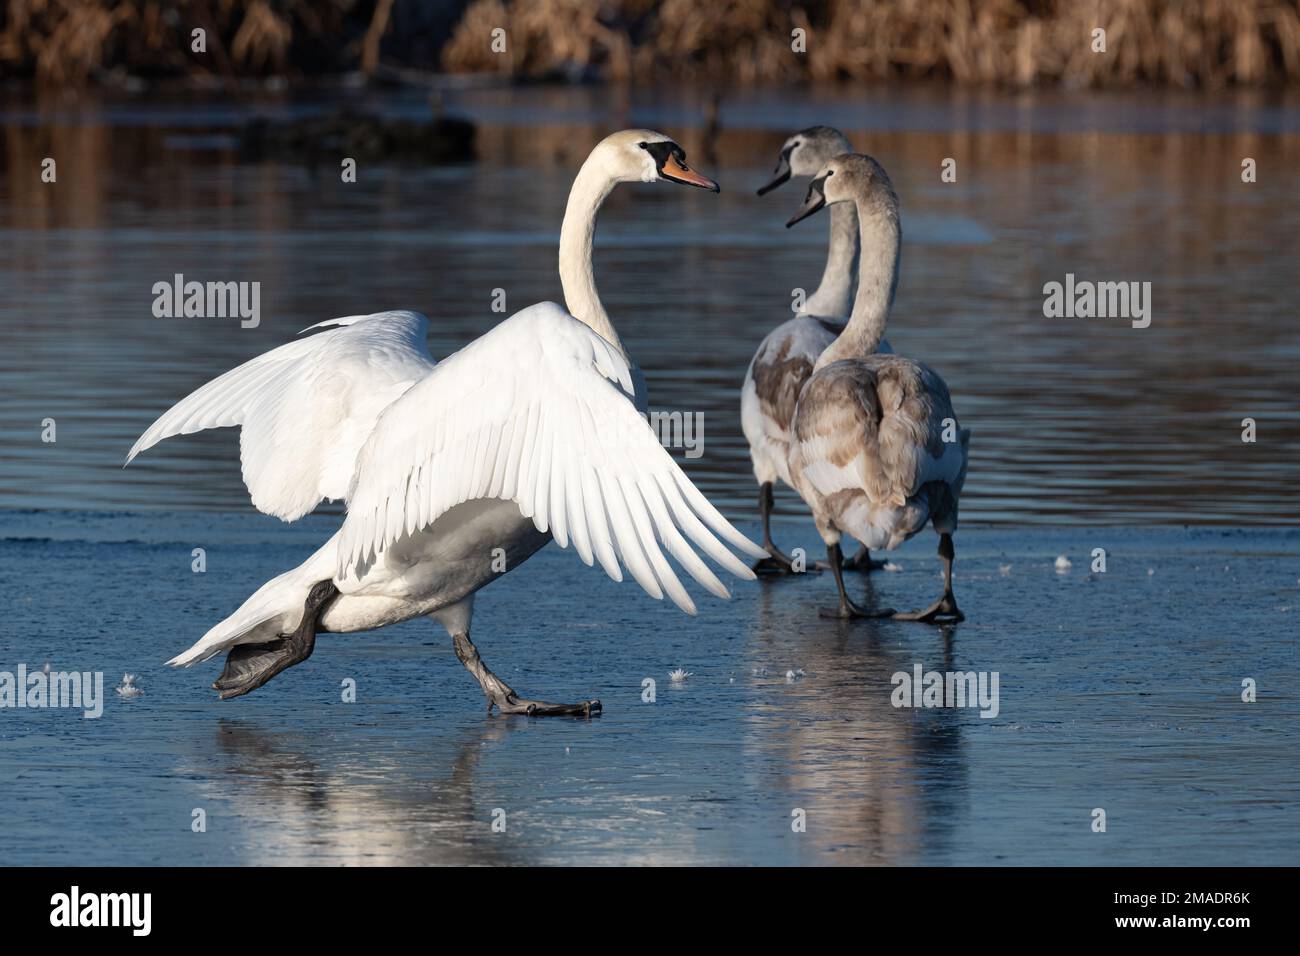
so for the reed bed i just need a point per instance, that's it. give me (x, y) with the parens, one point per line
(1016, 43)
(65, 43)
(1019, 43)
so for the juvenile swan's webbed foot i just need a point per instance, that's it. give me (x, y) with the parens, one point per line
(862, 561)
(846, 609)
(778, 561)
(249, 666)
(944, 610)
(502, 696)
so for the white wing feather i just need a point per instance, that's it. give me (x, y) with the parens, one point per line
(306, 407)
(539, 411)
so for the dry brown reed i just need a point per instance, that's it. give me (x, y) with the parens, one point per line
(1022, 43)
(63, 43)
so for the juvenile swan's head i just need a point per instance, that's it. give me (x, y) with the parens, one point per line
(805, 153)
(644, 156)
(850, 178)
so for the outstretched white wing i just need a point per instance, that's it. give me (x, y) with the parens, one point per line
(532, 412)
(306, 407)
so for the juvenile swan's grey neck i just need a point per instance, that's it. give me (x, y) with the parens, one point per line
(589, 190)
(881, 238)
(835, 294)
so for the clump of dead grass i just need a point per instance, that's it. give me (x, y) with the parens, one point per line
(1023, 43)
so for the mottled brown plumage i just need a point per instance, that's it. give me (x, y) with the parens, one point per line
(785, 359)
(875, 447)
(868, 453)
(778, 374)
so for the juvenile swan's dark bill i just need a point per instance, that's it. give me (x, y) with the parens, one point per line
(815, 200)
(781, 174)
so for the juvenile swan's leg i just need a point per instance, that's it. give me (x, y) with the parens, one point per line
(779, 562)
(859, 562)
(862, 561)
(249, 666)
(502, 695)
(847, 608)
(945, 609)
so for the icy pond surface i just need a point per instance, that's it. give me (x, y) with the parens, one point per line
(1118, 690)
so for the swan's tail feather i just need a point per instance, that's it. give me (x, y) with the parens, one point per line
(239, 628)
(274, 609)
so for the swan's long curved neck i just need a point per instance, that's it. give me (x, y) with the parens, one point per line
(881, 237)
(580, 297)
(835, 294)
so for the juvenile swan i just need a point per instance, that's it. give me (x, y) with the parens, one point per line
(456, 472)
(785, 359)
(876, 450)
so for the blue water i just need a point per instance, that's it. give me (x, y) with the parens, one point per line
(1076, 421)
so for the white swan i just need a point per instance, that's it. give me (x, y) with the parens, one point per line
(457, 471)
(876, 450)
(784, 360)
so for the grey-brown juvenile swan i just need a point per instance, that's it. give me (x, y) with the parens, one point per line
(876, 450)
(785, 358)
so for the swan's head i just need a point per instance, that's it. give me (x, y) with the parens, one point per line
(850, 178)
(806, 152)
(644, 156)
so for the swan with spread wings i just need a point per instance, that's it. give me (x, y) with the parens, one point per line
(453, 470)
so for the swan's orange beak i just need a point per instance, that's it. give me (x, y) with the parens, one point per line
(677, 171)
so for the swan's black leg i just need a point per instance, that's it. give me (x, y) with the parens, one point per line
(249, 666)
(502, 696)
(944, 610)
(859, 562)
(847, 608)
(862, 561)
(778, 562)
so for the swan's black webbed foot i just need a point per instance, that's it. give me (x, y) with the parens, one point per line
(249, 666)
(944, 610)
(863, 562)
(777, 562)
(502, 696)
(511, 704)
(846, 609)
